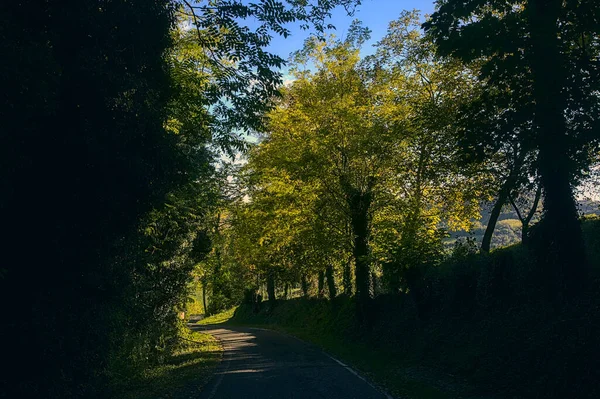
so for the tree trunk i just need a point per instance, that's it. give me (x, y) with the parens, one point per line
(321, 285)
(373, 283)
(286, 290)
(524, 233)
(361, 259)
(486, 242)
(561, 246)
(204, 297)
(304, 286)
(525, 221)
(503, 196)
(271, 287)
(347, 278)
(359, 208)
(330, 281)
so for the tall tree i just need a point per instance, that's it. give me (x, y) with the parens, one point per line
(543, 53)
(341, 144)
(432, 187)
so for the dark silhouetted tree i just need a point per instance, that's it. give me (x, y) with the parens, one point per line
(541, 56)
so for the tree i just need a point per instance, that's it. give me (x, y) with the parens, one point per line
(543, 62)
(330, 120)
(243, 75)
(431, 185)
(84, 158)
(526, 219)
(510, 168)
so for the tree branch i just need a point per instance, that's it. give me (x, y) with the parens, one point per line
(516, 208)
(538, 194)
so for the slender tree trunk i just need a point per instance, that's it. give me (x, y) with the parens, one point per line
(525, 228)
(286, 290)
(271, 287)
(330, 281)
(204, 297)
(525, 221)
(347, 278)
(304, 284)
(374, 286)
(486, 242)
(561, 247)
(503, 196)
(216, 283)
(321, 284)
(524, 233)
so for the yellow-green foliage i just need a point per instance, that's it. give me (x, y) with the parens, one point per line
(341, 131)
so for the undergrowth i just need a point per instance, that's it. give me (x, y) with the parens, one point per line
(182, 375)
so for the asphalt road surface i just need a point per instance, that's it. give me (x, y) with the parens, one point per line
(265, 364)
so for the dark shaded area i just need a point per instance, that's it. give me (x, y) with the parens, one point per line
(84, 155)
(538, 64)
(483, 318)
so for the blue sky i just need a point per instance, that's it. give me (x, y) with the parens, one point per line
(375, 14)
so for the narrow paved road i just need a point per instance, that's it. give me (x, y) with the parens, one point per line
(266, 364)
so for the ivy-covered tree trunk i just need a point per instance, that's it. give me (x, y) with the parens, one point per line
(561, 242)
(374, 283)
(361, 258)
(330, 281)
(359, 203)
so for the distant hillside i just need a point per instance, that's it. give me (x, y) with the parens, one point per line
(508, 228)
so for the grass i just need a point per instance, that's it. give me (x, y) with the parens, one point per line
(181, 376)
(218, 318)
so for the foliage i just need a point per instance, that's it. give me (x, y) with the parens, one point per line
(349, 169)
(115, 116)
(242, 74)
(184, 372)
(540, 77)
(84, 158)
(110, 126)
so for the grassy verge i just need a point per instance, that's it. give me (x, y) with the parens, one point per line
(181, 376)
(218, 318)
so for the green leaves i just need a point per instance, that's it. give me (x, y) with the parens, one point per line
(359, 147)
(243, 77)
